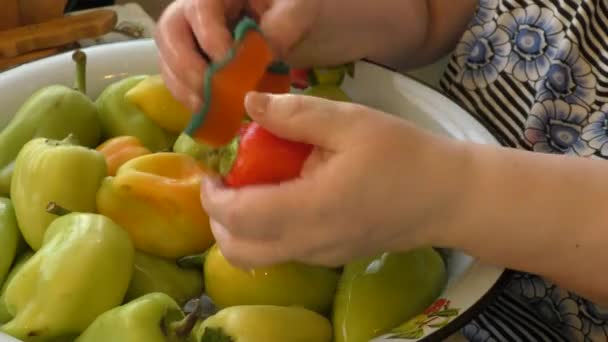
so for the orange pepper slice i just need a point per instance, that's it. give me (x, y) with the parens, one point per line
(226, 85)
(276, 80)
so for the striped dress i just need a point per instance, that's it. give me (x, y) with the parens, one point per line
(535, 73)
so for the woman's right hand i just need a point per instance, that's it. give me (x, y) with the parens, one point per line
(188, 26)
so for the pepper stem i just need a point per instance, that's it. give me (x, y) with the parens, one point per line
(184, 327)
(202, 308)
(56, 209)
(195, 261)
(228, 154)
(80, 58)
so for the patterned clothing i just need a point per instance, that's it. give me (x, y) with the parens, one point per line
(535, 73)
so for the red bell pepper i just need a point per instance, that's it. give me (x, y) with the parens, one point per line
(300, 78)
(256, 156)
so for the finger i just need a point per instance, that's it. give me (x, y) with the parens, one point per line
(247, 254)
(262, 212)
(307, 119)
(285, 23)
(208, 21)
(177, 48)
(179, 89)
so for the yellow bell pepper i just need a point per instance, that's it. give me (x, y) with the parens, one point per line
(153, 98)
(155, 197)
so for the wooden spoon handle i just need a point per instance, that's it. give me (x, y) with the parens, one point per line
(56, 32)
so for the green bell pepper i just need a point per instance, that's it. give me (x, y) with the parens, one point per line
(51, 112)
(49, 170)
(378, 293)
(9, 237)
(119, 117)
(156, 274)
(154, 317)
(5, 316)
(267, 323)
(82, 270)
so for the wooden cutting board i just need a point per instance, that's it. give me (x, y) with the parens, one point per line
(56, 32)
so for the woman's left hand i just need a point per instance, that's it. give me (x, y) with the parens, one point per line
(373, 183)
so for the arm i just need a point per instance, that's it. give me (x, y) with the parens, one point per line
(438, 27)
(538, 213)
(396, 33)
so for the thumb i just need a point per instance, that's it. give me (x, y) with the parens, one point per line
(285, 23)
(302, 118)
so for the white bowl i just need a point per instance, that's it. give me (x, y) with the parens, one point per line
(470, 284)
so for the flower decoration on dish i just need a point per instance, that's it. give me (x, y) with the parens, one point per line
(596, 131)
(482, 54)
(536, 35)
(556, 127)
(436, 316)
(569, 77)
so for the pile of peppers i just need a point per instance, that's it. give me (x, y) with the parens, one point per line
(103, 238)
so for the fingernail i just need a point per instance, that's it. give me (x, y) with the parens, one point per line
(257, 103)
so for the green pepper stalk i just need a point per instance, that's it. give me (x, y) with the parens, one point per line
(80, 58)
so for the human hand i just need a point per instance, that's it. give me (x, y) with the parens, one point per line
(373, 183)
(188, 26)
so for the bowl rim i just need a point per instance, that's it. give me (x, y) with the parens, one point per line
(478, 305)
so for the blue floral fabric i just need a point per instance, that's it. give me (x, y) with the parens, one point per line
(535, 73)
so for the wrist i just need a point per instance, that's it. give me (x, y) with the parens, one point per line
(458, 186)
(379, 30)
(436, 192)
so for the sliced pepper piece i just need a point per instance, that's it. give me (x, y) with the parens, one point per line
(267, 323)
(155, 317)
(276, 80)
(155, 197)
(227, 82)
(119, 150)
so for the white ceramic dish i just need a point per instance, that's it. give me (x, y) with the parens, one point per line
(470, 283)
